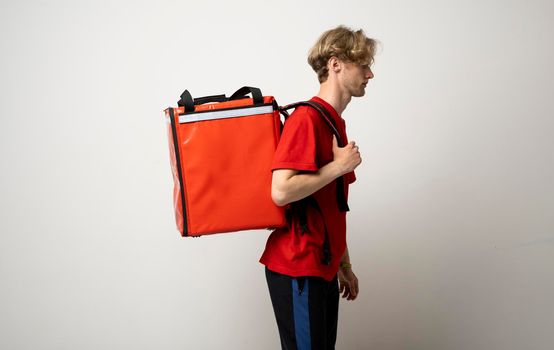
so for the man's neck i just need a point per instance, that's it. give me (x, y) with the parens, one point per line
(333, 95)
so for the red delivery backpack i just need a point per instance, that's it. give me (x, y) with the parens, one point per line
(221, 149)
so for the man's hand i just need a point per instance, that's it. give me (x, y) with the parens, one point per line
(348, 284)
(347, 157)
(288, 185)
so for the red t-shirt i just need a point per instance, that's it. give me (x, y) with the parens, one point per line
(307, 145)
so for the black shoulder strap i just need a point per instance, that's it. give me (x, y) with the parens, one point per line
(324, 113)
(300, 206)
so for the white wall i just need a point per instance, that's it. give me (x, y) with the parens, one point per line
(451, 229)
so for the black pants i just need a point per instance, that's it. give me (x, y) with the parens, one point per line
(306, 309)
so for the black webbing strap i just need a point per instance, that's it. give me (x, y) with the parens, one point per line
(323, 112)
(257, 95)
(341, 196)
(186, 101)
(301, 208)
(189, 103)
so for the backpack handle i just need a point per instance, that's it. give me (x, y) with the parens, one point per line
(245, 90)
(188, 102)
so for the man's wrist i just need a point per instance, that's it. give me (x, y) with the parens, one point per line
(345, 265)
(335, 169)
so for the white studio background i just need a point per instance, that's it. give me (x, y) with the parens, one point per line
(451, 229)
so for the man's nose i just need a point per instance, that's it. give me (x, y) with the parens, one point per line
(369, 74)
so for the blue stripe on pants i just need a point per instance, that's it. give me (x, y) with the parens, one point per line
(301, 315)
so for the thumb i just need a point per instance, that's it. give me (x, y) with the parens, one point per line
(335, 142)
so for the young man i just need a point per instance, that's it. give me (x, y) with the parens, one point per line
(306, 261)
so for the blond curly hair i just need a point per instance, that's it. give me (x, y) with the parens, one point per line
(345, 44)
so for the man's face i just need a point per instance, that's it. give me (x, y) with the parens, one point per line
(355, 77)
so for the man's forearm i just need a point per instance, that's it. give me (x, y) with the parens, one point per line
(345, 257)
(300, 186)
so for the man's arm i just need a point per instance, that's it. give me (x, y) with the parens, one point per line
(288, 185)
(345, 257)
(348, 282)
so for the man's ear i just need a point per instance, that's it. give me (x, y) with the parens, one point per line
(334, 64)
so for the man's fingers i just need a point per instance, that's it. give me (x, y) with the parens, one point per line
(349, 290)
(345, 290)
(355, 289)
(335, 142)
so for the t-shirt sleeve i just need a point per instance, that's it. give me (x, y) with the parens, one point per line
(297, 148)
